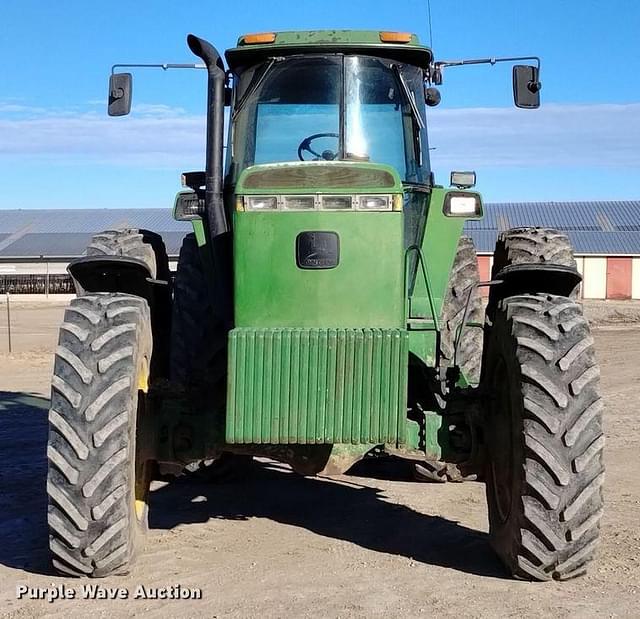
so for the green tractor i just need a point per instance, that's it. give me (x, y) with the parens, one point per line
(326, 307)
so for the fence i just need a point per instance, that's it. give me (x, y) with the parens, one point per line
(36, 284)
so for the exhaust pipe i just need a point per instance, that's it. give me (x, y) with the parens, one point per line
(219, 229)
(214, 201)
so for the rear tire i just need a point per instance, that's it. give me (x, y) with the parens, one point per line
(544, 438)
(198, 339)
(133, 243)
(464, 278)
(199, 352)
(98, 476)
(533, 246)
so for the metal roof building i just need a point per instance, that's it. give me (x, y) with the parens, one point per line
(64, 233)
(606, 228)
(605, 235)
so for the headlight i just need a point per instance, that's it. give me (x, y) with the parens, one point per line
(299, 203)
(336, 203)
(462, 204)
(261, 203)
(374, 203)
(309, 202)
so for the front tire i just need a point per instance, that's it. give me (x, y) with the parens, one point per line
(99, 475)
(544, 438)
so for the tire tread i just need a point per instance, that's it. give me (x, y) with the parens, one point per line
(89, 481)
(554, 531)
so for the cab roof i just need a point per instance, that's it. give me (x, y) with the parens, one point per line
(365, 42)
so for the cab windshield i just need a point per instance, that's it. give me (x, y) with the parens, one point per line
(314, 108)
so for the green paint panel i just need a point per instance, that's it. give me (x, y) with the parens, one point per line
(306, 386)
(320, 37)
(329, 41)
(200, 232)
(366, 289)
(438, 249)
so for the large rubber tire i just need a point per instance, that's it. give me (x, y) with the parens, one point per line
(199, 352)
(544, 437)
(198, 339)
(135, 243)
(533, 246)
(464, 278)
(98, 477)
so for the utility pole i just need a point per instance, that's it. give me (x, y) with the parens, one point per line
(9, 321)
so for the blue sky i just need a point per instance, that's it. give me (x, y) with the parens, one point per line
(58, 149)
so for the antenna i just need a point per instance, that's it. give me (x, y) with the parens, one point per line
(430, 22)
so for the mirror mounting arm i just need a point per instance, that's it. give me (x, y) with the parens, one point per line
(437, 68)
(164, 66)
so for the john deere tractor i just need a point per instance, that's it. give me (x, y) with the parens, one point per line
(326, 307)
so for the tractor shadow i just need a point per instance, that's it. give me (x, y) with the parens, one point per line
(23, 473)
(339, 508)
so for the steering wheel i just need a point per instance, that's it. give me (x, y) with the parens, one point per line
(326, 155)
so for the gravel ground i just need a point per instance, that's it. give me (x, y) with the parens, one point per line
(373, 543)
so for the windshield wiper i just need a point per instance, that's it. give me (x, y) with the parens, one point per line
(409, 96)
(253, 87)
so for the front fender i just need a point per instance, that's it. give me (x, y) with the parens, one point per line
(534, 278)
(112, 274)
(129, 276)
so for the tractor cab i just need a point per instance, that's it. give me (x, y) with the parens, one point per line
(332, 96)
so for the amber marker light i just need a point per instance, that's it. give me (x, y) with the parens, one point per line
(395, 37)
(260, 37)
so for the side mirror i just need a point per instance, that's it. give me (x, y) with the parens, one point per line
(119, 94)
(526, 87)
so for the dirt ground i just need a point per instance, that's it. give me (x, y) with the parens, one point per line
(273, 544)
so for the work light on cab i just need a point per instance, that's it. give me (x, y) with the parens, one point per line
(462, 204)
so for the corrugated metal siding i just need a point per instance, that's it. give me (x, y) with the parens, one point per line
(317, 386)
(88, 220)
(604, 227)
(65, 232)
(56, 244)
(593, 227)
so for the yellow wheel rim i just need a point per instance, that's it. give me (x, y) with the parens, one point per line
(142, 469)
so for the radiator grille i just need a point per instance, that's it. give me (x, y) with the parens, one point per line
(317, 385)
